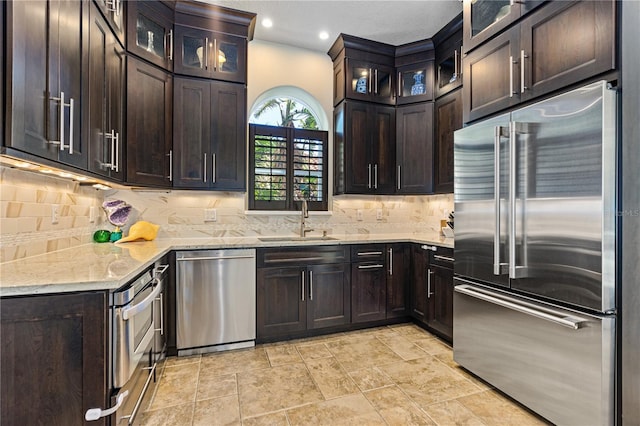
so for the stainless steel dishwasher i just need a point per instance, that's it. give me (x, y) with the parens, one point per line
(215, 300)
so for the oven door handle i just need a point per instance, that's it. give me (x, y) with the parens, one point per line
(93, 414)
(132, 311)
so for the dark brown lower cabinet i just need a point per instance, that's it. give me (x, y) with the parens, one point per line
(398, 277)
(379, 284)
(440, 299)
(368, 291)
(53, 358)
(296, 296)
(419, 266)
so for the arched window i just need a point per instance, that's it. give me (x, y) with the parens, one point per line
(288, 155)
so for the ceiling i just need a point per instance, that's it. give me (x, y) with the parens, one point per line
(298, 23)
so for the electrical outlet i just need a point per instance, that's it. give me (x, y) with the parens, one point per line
(55, 213)
(379, 214)
(93, 214)
(359, 215)
(210, 215)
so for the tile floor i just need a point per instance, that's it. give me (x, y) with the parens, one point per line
(396, 375)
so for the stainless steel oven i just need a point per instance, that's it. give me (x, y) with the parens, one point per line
(136, 330)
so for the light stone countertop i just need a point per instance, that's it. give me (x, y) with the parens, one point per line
(108, 266)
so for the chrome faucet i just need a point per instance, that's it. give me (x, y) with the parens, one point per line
(304, 214)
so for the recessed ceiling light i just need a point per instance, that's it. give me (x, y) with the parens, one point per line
(267, 23)
(323, 35)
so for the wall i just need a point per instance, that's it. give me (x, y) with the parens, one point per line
(271, 65)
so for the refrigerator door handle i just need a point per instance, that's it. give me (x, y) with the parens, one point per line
(516, 271)
(551, 315)
(498, 267)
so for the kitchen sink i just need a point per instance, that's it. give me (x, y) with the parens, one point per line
(277, 239)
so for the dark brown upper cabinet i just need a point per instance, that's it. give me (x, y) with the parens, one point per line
(149, 123)
(528, 60)
(364, 138)
(150, 32)
(209, 135)
(483, 19)
(203, 53)
(414, 148)
(211, 41)
(414, 72)
(448, 63)
(447, 119)
(47, 75)
(363, 70)
(114, 12)
(104, 102)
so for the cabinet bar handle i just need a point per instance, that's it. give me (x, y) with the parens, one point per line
(375, 175)
(71, 126)
(445, 258)
(399, 84)
(204, 167)
(215, 54)
(429, 273)
(206, 53)
(523, 86)
(171, 44)
(369, 253)
(511, 92)
(60, 142)
(116, 158)
(377, 266)
(455, 64)
(369, 173)
(375, 82)
(96, 413)
(302, 286)
(390, 261)
(310, 285)
(170, 155)
(370, 79)
(399, 177)
(213, 168)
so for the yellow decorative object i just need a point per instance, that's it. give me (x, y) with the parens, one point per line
(141, 230)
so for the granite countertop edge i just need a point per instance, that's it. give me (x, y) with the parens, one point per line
(107, 266)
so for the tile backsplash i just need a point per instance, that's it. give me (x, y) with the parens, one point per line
(26, 199)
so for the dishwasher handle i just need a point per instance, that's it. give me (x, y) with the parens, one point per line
(182, 259)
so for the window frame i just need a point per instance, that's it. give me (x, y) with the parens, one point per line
(290, 133)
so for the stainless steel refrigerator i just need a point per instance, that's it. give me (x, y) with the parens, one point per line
(535, 249)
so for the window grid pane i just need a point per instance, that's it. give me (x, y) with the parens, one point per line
(308, 169)
(270, 168)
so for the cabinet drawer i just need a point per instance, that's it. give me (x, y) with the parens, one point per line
(443, 257)
(368, 253)
(283, 256)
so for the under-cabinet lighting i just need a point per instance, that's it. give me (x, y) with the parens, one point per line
(9, 161)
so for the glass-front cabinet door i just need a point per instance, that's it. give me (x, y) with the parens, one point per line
(208, 54)
(485, 18)
(150, 32)
(369, 82)
(482, 19)
(415, 83)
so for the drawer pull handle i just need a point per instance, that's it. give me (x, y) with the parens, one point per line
(370, 266)
(445, 258)
(369, 253)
